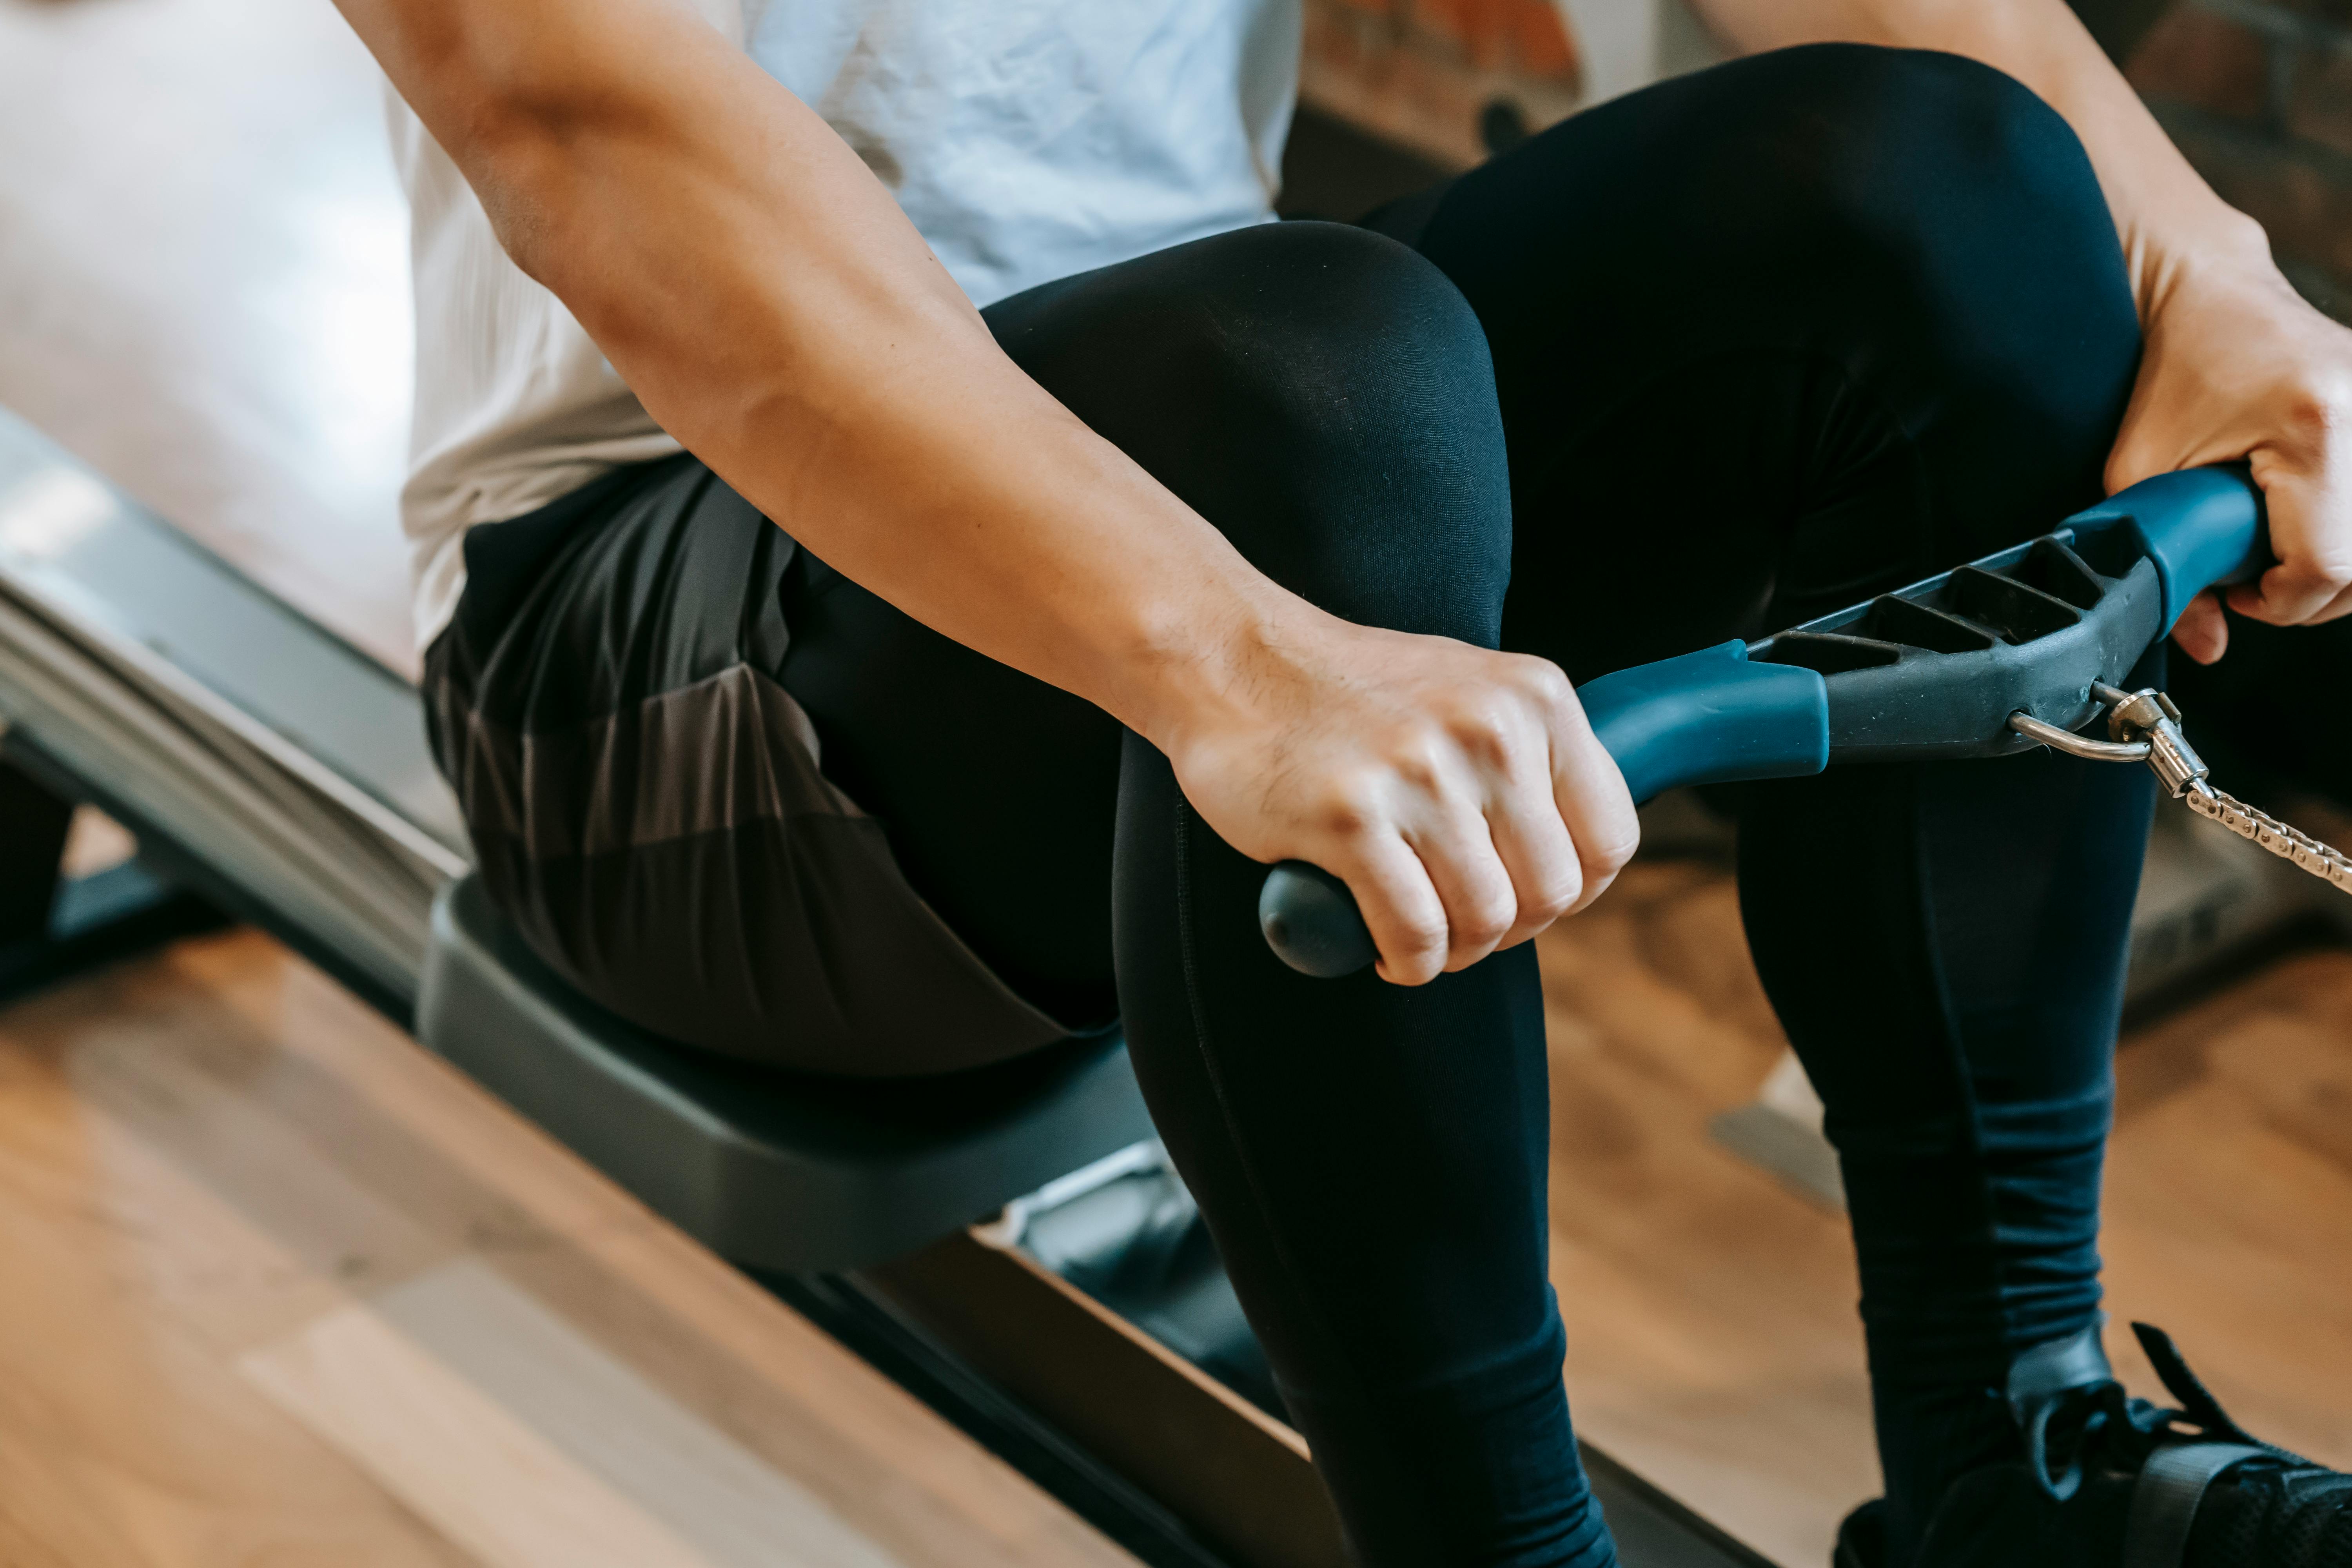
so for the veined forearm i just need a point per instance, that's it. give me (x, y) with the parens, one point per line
(773, 310)
(2167, 217)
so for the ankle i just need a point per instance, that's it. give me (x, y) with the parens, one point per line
(1928, 1438)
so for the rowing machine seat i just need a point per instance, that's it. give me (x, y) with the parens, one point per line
(773, 1170)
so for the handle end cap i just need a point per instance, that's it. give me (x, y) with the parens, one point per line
(1310, 920)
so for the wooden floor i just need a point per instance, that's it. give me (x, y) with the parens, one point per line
(275, 1287)
(1712, 1339)
(280, 1286)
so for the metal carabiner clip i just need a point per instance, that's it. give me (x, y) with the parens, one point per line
(2147, 729)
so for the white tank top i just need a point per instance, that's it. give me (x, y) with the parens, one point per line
(1026, 138)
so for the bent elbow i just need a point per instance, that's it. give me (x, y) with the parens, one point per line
(523, 124)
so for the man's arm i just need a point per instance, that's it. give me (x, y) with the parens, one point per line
(772, 308)
(765, 298)
(2237, 365)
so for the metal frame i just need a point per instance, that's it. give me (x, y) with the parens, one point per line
(53, 926)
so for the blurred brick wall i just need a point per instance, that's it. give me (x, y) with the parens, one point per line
(1430, 74)
(2259, 94)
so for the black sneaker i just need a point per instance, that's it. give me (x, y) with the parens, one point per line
(2109, 1481)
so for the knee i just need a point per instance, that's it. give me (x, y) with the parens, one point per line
(1946, 207)
(1947, 178)
(1325, 396)
(1337, 344)
(1361, 377)
(1875, 136)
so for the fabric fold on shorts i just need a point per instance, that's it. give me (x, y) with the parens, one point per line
(648, 806)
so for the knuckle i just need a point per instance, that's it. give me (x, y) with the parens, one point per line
(1488, 739)
(1544, 680)
(1419, 769)
(1609, 850)
(1346, 808)
(2318, 411)
(1342, 821)
(1414, 754)
(2321, 576)
(1557, 899)
(1537, 915)
(1423, 943)
(1486, 922)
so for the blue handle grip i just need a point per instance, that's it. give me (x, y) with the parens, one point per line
(1712, 716)
(2200, 526)
(1708, 717)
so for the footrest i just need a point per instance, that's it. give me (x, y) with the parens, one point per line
(772, 1170)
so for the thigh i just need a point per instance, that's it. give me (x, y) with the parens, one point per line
(1320, 395)
(998, 792)
(1778, 335)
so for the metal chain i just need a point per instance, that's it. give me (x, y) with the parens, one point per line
(2329, 864)
(2147, 729)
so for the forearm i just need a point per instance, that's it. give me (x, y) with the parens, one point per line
(2169, 220)
(765, 298)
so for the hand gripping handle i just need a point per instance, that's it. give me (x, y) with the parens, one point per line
(1702, 718)
(1712, 716)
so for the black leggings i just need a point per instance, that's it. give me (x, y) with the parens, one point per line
(1704, 361)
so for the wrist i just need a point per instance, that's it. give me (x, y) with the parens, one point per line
(1216, 666)
(2222, 247)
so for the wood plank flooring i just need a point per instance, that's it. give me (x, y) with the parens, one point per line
(1712, 1339)
(278, 1286)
